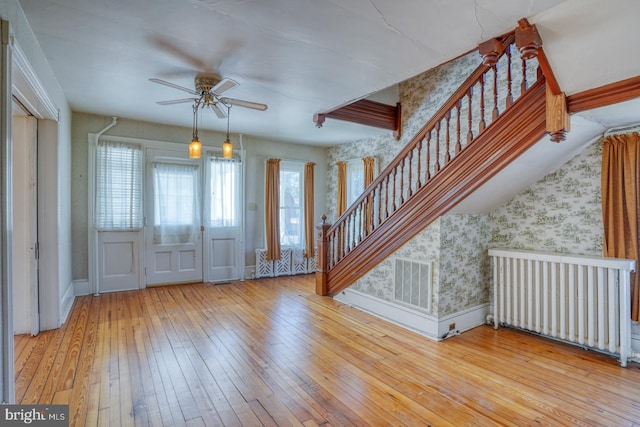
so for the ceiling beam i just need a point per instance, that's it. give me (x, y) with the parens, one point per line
(366, 112)
(602, 96)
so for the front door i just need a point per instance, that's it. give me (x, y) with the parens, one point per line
(173, 230)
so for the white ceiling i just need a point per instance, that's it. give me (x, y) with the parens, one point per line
(302, 57)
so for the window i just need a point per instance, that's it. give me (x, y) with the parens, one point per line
(355, 180)
(291, 204)
(176, 211)
(224, 182)
(118, 186)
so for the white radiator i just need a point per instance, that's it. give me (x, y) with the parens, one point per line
(291, 262)
(578, 299)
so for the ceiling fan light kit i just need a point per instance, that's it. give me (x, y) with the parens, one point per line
(208, 88)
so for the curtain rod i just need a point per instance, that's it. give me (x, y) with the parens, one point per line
(619, 129)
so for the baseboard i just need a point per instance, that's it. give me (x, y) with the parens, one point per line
(250, 272)
(464, 320)
(66, 303)
(415, 320)
(81, 287)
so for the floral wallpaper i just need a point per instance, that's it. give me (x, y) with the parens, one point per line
(425, 247)
(464, 263)
(561, 213)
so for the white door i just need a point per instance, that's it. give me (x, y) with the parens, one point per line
(173, 230)
(25, 224)
(223, 219)
(117, 215)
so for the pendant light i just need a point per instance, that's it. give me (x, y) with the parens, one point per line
(195, 147)
(227, 148)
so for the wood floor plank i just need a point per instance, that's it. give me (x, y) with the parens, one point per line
(271, 352)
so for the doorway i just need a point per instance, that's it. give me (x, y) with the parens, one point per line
(193, 218)
(191, 224)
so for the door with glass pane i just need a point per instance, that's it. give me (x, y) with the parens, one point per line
(118, 215)
(223, 219)
(173, 230)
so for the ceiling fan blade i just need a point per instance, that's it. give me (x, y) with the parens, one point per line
(177, 101)
(175, 86)
(221, 114)
(223, 86)
(246, 104)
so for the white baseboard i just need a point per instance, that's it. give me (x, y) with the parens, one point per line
(415, 320)
(81, 287)
(250, 272)
(66, 303)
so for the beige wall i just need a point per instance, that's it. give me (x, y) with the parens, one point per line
(257, 151)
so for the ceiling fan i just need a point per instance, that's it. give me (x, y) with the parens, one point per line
(208, 92)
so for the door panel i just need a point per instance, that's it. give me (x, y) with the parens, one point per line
(119, 260)
(173, 231)
(223, 259)
(25, 224)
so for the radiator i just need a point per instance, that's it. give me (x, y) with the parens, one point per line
(577, 299)
(291, 262)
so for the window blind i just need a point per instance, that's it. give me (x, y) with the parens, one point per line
(118, 186)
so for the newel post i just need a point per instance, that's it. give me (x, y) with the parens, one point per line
(322, 265)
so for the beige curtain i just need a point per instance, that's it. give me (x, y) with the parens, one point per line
(369, 166)
(342, 188)
(272, 208)
(620, 187)
(309, 235)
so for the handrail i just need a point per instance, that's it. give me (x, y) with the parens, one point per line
(485, 95)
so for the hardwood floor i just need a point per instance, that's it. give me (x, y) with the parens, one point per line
(271, 352)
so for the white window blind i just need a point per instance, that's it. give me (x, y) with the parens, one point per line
(118, 186)
(224, 182)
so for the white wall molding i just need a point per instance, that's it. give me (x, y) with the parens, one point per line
(81, 287)
(29, 90)
(415, 320)
(66, 302)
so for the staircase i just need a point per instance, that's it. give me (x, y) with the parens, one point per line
(493, 117)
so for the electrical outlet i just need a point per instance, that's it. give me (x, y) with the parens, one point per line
(452, 326)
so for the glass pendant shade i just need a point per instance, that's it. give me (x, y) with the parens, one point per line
(227, 149)
(195, 148)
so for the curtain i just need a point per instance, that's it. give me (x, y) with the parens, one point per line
(620, 187)
(369, 166)
(309, 234)
(342, 188)
(176, 213)
(118, 186)
(272, 209)
(222, 199)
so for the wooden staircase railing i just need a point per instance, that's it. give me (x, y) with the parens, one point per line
(494, 116)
